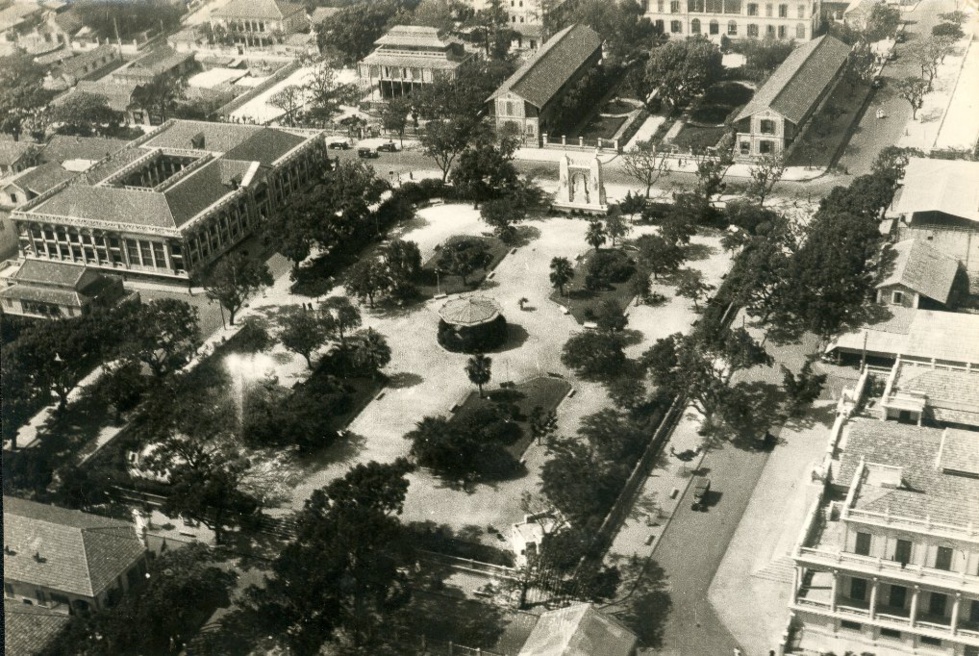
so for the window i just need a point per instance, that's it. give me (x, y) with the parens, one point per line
(783, 11)
(800, 11)
(753, 30)
(902, 551)
(897, 597)
(800, 31)
(675, 27)
(974, 612)
(659, 5)
(943, 558)
(660, 26)
(937, 603)
(767, 126)
(9, 591)
(890, 633)
(770, 31)
(674, 6)
(765, 147)
(732, 28)
(715, 28)
(745, 147)
(863, 544)
(695, 26)
(752, 9)
(927, 640)
(781, 31)
(853, 626)
(858, 589)
(768, 10)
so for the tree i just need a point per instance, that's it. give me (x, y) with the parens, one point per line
(84, 113)
(802, 388)
(351, 32)
(501, 214)
(926, 54)
(542, 424)
(163, 334)
(462, 257)
(161, 95)
(112, 19)
(439, 14)
(596, 235)
(485, 171)
(302, 332)
(659, 255)
(765, 174)
(293, 228)
(615, 225)
(470, 447)
(763, 56)
(692, 286)
(444, 139)
(22, 95)
(610, 317)
(594, 355)
(757, 277)
(234, 279)
(325, 92)
(645, 165)
(365, 279)
(681, 70)
(403, 262)
(339, 317)
(371, 351)
(882, 23)
(628, 33)
(394, 116)
(561, 273)
(479, 370)
(289, 99)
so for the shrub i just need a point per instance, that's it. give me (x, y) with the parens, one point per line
(607, 267)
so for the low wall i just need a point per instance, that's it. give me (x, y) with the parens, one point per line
(225, 111)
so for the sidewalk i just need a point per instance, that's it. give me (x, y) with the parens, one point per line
(960, 127)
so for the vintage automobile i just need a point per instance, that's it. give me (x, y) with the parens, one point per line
(701, 488)
(367, 153)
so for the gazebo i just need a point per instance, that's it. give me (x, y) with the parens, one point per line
(472, 325)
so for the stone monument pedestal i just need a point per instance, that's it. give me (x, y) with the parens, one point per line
(581, 187)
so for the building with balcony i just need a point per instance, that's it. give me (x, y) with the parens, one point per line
(172, 201)
(735, 19)
(888, 559)
(922, 277)
(58, 290)
(406, 58)
(924, 393)
(775, 115)
(66, 560)
(530, 99)
(259, 23)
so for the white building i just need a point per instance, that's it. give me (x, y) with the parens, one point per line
(736, 19)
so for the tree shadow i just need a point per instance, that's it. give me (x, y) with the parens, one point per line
(524, 235)
(631, 336)
(646, 607)
(402, 229)
(517, 336)
(695, 252)
(404, 379)
(344, 450)
(813, 416)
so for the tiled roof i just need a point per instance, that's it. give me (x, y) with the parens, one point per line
(119, 95)
(923, 269)
(41, 178)
(257, 9)
(926, 491)
(157, 61)
(79, 62)
(61, 148)
(27, 630)
(416, 36)
(543, 75)
(265, 146)
(960, 452)
(66, 550)
(125, 206)
(50, 272)
(579, 630)
(69, 22)
(381, 58)
(218, 137)
(16, 13)
(953, 395)
(11, 151)
(39, 294)
(940, 185)
(196, 192)
(945, 336)
(797, 84)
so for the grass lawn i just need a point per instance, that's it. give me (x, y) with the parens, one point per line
(581, 301)
(698, 138)
(830, 129)
(429, 284)
(617, 107)
(602, 127)
(544, 391)
(719, 101)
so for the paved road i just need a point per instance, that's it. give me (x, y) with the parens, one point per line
(692, 548)
(873, 134)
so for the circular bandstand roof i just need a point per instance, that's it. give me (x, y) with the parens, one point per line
(470, 311)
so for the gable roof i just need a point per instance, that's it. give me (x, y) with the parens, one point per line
(78, 553)
(259, 9)
(796, 85)
(119, 95)
(12, 151)
(939, 185)
(923, 269)
(79, 62)
(41, 178)
(50, 272)
(61, 148)
(159, 60)
(543, 75)
(578, 630)
(29, 629)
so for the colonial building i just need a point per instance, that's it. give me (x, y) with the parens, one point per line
(938, 203)
(58, 290)
(259, 23)
(406, 58)
(922, 392)
(922, 277)
(530, 99)
(735, 19)
(171, 202)
(118, 96)
(89, 64)
(527, 18)
(155, 63)
(776, 113)
(17, 156)
(67, 560)
(888, 559)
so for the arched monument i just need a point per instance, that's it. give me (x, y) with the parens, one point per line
(581, 187)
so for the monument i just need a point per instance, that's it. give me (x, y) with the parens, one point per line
(581, 187)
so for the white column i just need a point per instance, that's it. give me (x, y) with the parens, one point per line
(955, 611)
(873, 597)
(832, 599)
(914, 604)
(795, 585)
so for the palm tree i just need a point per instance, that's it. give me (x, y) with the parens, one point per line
(561, 273)
(373, 351)
(479, 370)
(596, 234)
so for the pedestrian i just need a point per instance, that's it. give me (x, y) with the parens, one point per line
(737, 652)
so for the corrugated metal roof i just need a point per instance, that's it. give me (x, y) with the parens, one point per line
(945, 336)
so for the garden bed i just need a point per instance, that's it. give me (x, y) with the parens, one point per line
(582, 302)
(429, 285)
(618, 106)
(696, 139)
(543, 391)
(602, 127)
(719, 102)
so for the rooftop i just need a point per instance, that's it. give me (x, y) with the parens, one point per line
(952, 394)
(928, 459)
(49, 272)
(579, 630)
(257, 9)
(923, 269)
(29, 629)
(65, 550)
(155, 62)
(470, 311)
(79, 62)
(924, 334)
(542, 76)
(61, 148)
(797, 84)
(11, 151)
(415, 36)
(118, 94)
(41, 178)
(940, 185)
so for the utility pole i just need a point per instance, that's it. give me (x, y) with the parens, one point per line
(115, 24)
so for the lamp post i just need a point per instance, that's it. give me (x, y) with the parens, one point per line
(438, 282)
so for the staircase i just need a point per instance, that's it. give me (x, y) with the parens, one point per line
(781, 570)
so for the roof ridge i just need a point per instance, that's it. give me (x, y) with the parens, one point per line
(538, 56)
(814, 46)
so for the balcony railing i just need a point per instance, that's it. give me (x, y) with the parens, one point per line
(968, 532)
(894, 619)
(959, 581)
(852, 610)
(802, 601)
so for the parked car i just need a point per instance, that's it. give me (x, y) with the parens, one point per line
(367, 153)
(701, 488)
(389, 147)
(340, 144)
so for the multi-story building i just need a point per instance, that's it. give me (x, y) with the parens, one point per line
(172, 201)
(406, 58)
(259, 23)
(58, 290)
(735, 19)
(888, 560)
